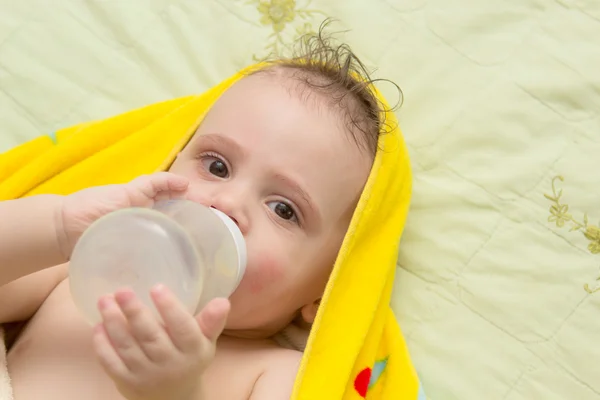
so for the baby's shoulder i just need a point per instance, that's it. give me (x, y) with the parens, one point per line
(269, 370)
(277, 378)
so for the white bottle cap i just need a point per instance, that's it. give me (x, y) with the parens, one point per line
(240, 243)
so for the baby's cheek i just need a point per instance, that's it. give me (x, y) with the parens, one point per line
(265, 270)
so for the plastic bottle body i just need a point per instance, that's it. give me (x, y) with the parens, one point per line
(195, 251)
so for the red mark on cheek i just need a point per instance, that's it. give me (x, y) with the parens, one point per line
(265, 271)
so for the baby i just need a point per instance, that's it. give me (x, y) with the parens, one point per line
(285, 152)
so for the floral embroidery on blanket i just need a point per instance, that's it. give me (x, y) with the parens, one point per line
(560, 216)
(282, 16)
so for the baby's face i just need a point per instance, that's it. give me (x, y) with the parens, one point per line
(290, 176)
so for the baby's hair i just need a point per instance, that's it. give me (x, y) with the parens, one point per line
(335, 72)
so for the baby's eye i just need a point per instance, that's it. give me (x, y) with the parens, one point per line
(283, 210)
(215, 166)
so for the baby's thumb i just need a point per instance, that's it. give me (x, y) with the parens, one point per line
(213, 317)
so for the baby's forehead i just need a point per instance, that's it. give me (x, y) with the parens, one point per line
(305, 85)
(299, 84)
(264, 104)
(269, 96)
(336, 94)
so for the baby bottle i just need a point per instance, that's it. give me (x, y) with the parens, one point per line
(196, 251)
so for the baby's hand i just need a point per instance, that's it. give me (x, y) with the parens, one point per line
(148, 360)
(82, 208)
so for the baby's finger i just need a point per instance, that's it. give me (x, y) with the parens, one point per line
(213, 317)
(161, 185)
(150, 335)
(117, 331)
(181, 326)
(106, 354)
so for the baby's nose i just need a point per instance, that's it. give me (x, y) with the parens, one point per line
(230, 216)
(234, 220)
(235, 212)
(228, 201)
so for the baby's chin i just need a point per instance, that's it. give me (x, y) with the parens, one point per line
(248, 327)
(247, 334)
(256, 333)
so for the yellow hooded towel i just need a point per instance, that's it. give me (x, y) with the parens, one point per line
(355, 349)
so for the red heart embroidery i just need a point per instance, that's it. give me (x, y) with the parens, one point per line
(361, 383)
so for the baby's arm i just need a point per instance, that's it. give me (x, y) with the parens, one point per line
(40, 231)
(28, 240)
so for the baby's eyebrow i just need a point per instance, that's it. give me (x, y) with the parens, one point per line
(299, 192)
(216, 139)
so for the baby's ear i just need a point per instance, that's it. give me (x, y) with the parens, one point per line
(309, 311)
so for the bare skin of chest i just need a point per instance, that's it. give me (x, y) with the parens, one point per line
(53, 358)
